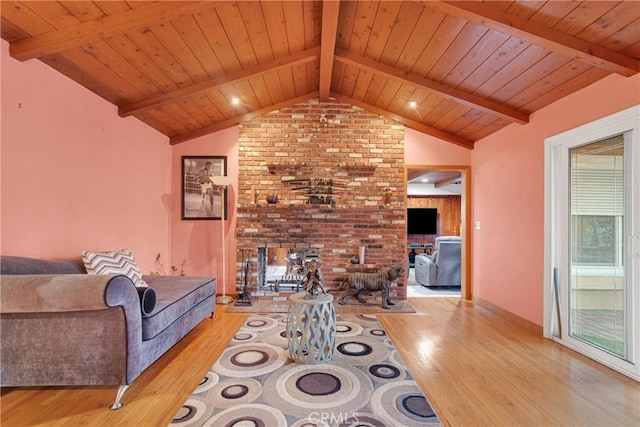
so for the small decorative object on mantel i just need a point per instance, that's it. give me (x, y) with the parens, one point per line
(312, 280)
(319, 191)
(361, 252)
(387, 196)
(254, 194)
(272, 199)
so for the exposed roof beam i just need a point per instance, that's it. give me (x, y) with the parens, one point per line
(421, 127)
(457, 95)
(445, 182)
(238, 119)
(81, 34)
(330, 10)
(548, 38)
(218, 82)
(414, 173)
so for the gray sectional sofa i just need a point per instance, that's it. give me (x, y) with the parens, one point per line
(62, 327)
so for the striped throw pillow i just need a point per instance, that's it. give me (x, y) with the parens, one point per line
(121, 262)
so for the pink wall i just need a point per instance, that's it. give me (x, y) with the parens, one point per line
(508, 195)
(200, 241)
(75, 176)
(421, 149)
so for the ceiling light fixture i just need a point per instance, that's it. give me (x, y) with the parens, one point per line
(413, 104)
(235, 100)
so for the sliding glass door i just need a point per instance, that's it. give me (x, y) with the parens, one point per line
(592, 252)
(598, 285)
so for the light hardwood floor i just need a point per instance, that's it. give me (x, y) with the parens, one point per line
(476, 367)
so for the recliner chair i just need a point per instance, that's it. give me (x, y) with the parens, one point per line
(442, 268)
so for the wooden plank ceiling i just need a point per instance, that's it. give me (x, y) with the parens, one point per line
(453, 69)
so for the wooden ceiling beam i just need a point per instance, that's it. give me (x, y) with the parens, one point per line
(81, 34)
(445, 182)
(413, 124)
(454, 94)
(218, 82)
(548, 38)
(174, 140)
(330, 11)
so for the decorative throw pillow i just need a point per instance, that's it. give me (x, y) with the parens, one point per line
(121, 262)
(147, 299)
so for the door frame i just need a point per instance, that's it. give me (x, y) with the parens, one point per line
(617, 123)
(465, 216)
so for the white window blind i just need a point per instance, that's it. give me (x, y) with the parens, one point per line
(595, 172)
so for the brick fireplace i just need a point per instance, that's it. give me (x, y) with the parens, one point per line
(327, 141)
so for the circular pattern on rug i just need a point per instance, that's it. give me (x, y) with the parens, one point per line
(250, 360)
(305, 390)
(260, 323)
(365, 420)
(208, 381)
(248, 416)
(276, 336)
(376, 332)
(404, 402)
(417, 405)
(355, 348)
(318, 384)
(192, 413)
(234, 391)
(314, 420)
(361, 350)
(347, 329)
(395, 358)
(388, 344)
(244, 336)
(383, 372)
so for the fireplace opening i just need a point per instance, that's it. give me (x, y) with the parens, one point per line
(282, 268)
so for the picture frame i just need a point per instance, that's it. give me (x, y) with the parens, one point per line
(201, 198)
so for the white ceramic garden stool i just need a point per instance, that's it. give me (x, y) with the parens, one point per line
(311, 328)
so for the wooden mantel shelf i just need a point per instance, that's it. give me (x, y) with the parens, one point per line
(284, 168)
(266, 208)
(291, 167)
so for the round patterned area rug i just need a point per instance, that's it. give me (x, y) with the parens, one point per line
(254, 383)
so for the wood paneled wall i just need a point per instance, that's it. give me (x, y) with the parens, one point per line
(449, 215)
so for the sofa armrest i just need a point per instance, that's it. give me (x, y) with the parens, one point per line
(425, 270)
(71, 329)
(44, 293)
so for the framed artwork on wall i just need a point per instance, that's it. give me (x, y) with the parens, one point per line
(201, 197)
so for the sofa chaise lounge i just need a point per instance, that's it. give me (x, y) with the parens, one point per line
(62, 327)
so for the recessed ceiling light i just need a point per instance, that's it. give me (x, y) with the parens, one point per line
(413, 104)
(425, 180)
(235, 101)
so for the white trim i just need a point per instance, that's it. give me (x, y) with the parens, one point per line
(598, 270)
(556, 247)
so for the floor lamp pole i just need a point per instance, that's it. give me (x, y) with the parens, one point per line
(224, 298)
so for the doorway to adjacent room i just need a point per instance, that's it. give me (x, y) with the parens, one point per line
(446, 190)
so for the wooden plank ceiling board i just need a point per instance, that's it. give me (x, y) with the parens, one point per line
(458, 70)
